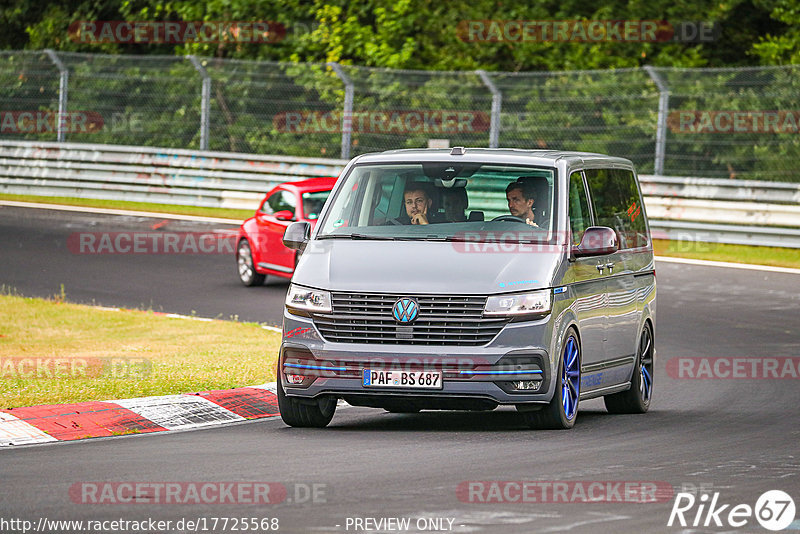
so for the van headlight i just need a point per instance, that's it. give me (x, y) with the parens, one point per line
(304, 299)
(535, 302)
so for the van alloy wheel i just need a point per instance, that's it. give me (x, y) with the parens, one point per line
(571, 378)
(562, 411)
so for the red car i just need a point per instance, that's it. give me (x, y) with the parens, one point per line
(259, 249)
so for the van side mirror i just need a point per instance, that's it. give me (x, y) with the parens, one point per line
(596, 241)
(297, 235)
(284, 215)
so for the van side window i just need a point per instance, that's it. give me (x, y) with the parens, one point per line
(579, 216)
(617, 204)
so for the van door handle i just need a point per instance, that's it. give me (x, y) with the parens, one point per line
(610, 266)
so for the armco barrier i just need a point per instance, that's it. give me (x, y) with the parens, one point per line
(147, 174)
(745, 212)
(700, 209)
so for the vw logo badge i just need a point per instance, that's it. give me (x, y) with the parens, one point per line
(405, 310)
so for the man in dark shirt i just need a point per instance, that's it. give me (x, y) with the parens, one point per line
(418, 204)
(521, 198)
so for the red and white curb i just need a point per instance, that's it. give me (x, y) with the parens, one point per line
(66, 422)
(95, 419)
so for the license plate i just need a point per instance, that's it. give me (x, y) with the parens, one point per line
(402, 379)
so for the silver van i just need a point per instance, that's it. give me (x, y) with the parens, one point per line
(465, 279)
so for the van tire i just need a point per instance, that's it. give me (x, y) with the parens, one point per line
(553, 416)
(297, 414)
(637, 398)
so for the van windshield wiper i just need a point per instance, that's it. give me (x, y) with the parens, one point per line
(421, 238)
(356, 236)
(433, 238)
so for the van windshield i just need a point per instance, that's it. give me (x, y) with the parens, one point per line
(442, 201)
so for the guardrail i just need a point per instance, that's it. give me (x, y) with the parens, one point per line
(686, 209)
(147, 174)
(745, 212)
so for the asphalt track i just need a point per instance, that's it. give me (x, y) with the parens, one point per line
(37, 259)
(737, 437)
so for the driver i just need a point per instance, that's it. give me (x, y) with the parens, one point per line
(521, 198)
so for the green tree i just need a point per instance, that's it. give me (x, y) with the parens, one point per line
(781, 47)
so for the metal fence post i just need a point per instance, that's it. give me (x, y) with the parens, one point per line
(497, 103)
(205, 97)
(63, 84)
(347, 117)
(661, 128)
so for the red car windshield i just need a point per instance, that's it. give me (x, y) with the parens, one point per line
(313, 202)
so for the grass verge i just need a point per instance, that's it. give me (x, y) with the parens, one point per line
(55, 352)
(774, 256)
(224, 213)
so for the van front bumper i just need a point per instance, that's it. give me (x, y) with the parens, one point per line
(514, 368)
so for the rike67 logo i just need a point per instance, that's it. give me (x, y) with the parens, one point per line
(774, 510)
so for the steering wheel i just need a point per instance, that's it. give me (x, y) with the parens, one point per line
(510, 218)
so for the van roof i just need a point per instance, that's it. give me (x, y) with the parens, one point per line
(489, 155)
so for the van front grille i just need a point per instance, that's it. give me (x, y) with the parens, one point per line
(442, 320)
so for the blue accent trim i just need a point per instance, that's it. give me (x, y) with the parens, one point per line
(517, 282)
(570, 378)
(559, 290)
(316, 367)
(534, 372)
